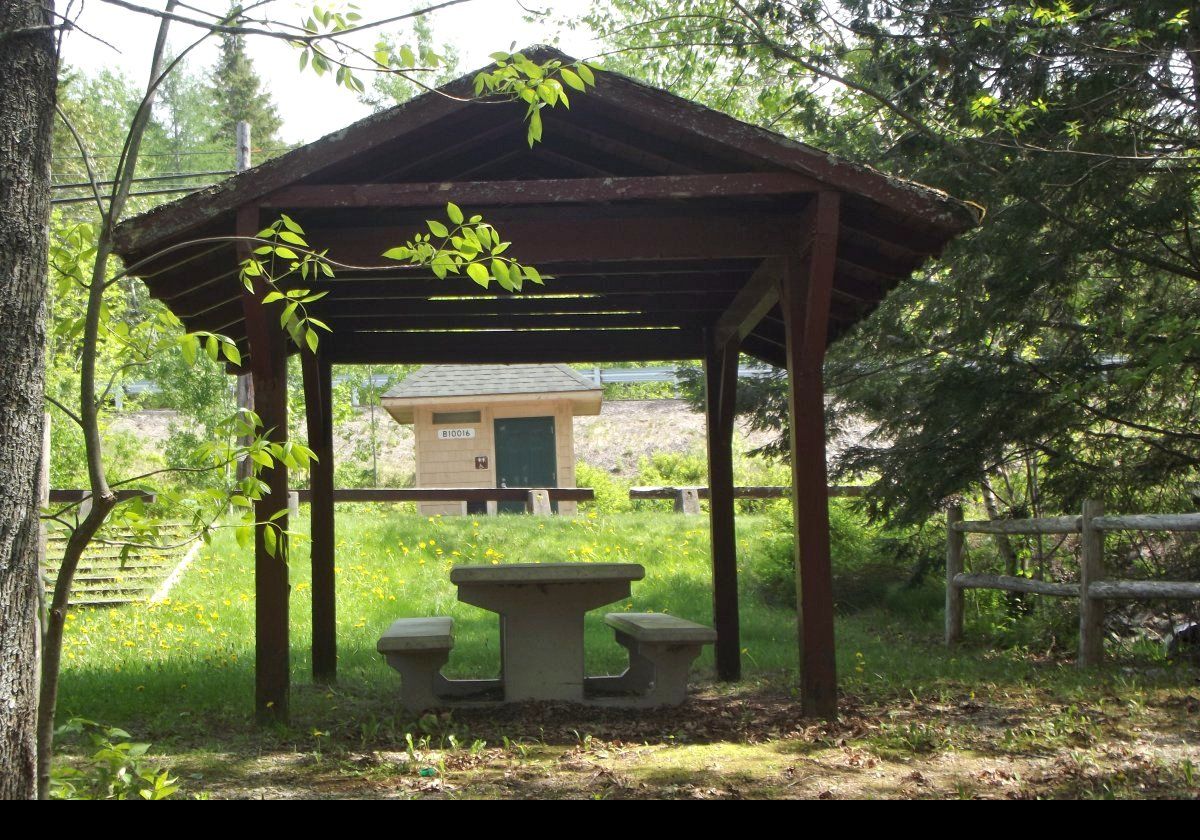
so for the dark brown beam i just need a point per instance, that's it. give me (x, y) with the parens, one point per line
(451, 494)
(400, 288)
(522, 304)
(518, 346)
(753, 301)
(318, 410)
(586, 320)
(545, 191)
(382, 312)
(197, 291)
(268, 366)
(804, 299)
(409, 289)
(720, 393)
(545, 241)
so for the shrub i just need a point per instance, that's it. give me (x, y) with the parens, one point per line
(612, 494)
(114, 769)
(872, 566)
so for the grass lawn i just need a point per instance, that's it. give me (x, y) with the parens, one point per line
(918, 720)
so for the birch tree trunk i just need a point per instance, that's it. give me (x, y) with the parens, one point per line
(28, 66)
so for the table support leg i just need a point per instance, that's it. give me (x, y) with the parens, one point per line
(543, 657)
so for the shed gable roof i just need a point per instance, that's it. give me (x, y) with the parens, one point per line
(433, 381)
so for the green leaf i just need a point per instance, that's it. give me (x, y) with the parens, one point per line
(400, 253)
(500, 272)
(454, 213)
(572, 79)
(190, 345)
(535, 128)
(437, 228)
(586, 73)
(478, 273)
(232, 353)
(310, 338)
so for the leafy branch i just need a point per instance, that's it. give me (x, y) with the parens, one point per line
(466, 244)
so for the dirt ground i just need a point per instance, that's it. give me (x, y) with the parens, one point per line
(751, 743)
(624, 432)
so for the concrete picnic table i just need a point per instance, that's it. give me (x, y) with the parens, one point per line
(541, 607)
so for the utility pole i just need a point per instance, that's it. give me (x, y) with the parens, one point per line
(245, 383)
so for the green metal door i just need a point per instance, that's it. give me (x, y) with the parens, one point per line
(525, 456)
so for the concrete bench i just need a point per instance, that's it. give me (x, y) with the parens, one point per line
(418, 648)
(661, 651)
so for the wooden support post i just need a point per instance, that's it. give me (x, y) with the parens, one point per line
(955, 541)
(804, 297)
(268, 364)
(720, 379)
(318, 409)
(1091, 570)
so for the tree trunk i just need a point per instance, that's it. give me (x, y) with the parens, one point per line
(1004, 546)
(27, 97)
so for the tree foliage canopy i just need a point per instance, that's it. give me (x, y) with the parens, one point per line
(1063, 332)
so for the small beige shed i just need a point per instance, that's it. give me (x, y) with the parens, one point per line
(493, 426)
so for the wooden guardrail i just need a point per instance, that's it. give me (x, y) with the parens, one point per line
(1093, 589)
(687, 498)
(537, 500)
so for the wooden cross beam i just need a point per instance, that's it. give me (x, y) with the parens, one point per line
(543, 191)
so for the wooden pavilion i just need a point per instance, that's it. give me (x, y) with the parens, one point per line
(672, 231)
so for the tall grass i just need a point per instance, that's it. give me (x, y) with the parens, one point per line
(189, 661)
(185, 668)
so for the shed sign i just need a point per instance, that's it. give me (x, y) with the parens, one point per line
(455, 434)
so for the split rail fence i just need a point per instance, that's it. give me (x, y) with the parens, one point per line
(1094, 588)
(687, 499)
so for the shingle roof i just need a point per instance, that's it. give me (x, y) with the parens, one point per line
(434, 381)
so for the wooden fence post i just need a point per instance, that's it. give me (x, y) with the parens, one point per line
(1091, 570)
(687, 500)
(539, 503)
(955, 542)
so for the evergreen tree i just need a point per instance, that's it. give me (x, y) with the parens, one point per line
(240, 96)
(1055, 346)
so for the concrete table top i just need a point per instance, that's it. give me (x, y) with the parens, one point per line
(534, 573)
(541, 607)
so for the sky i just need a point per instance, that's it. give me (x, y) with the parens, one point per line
(313, 106)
